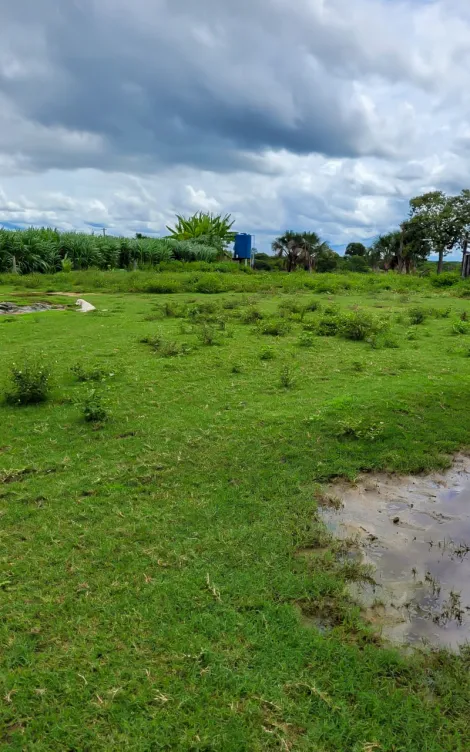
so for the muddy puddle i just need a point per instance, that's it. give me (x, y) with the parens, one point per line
(11, 309)
(415, 533)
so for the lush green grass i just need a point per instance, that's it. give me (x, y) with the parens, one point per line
(153, 596)
(178, 277)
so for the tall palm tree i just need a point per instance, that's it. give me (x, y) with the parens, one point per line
(289, 246)
(312, 249)
(300, 248)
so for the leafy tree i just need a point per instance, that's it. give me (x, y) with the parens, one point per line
(433, 219)
(356, 249)
(327, 260)
(461, 206)
(209, 229)
(415, 246)
(356, 264)
(384, 251)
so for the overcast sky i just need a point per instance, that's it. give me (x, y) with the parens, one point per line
(290, 114)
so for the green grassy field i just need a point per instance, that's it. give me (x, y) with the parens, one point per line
(164, 574)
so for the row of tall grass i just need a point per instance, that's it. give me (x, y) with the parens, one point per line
(48, 251)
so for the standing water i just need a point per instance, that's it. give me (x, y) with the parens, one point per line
(415, 532)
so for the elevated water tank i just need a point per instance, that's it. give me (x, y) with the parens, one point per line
(242, 246)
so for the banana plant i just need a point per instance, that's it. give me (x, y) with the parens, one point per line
(214, 229)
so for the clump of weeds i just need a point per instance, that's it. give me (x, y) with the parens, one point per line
(30, 383)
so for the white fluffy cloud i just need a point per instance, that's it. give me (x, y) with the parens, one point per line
(319, 114)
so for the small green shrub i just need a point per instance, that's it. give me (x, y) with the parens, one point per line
(231, 304)
(464, 316)
(267, 354)
(306, 340)
(93, 408)
(95, 373)
(251, 316)
(312, 306)
(417, 315)
(390, 343)
(30, 383)
(286, 379)
(441, 313)
(170, 309)
(208, 335)
(236, 368)
(289, 307)
(274, 327)
(221, 323)
(163, 288)
(358, 366)
(445, 279)
(460, 327)
(209, 285)
(203, 310)
(328, 326)
(358, 326)
(154, 340)
(411, 335)
(172, 349)
(166, 348)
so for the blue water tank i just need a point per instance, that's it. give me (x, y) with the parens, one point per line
(242, 246)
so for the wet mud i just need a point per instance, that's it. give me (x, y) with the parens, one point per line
(414, 531)
(11, 309)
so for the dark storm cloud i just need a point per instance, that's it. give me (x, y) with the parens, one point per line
(206, 84)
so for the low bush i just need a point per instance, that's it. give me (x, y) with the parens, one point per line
(172, 349)
(306, 340)
(210, 284)
(95, 373)
(154, 340)
(166, 287)
(358, 325)
(251, 315)
(461, 327)
(171, 310)
(312, 306)
(166, 348)
(441, 313)
(286, 379)
(328, 326)
(274, 327)
(445, 279)
(417, 315)
(93, 408)
(208, 336)
(30, 383)
(231, 304)
(290, 307)
(267, 354)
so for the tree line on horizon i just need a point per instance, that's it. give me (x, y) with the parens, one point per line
(436, 224)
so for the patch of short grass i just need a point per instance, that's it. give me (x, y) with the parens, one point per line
(153, 591)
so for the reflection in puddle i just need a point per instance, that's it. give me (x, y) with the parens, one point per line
(415, 531)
